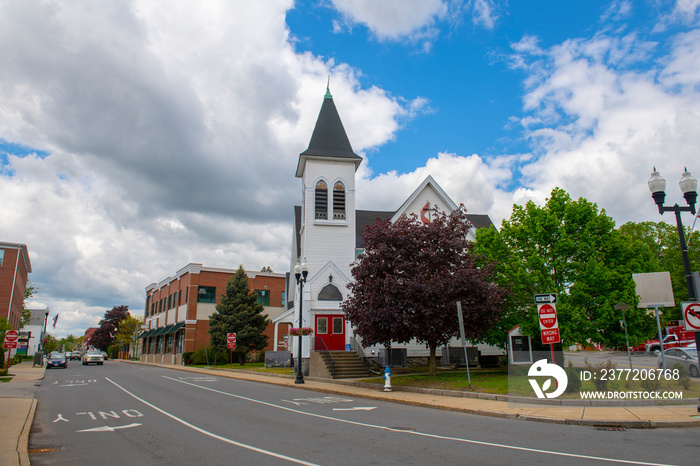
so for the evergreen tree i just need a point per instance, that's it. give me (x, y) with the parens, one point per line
(239, 313)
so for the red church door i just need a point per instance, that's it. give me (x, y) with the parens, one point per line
(329, 333)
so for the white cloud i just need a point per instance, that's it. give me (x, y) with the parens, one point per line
(173, 136)
(393, 19)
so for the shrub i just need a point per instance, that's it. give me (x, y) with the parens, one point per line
(684, 379)
(598, 370)
(574, 383)
(187, 357)
(211, 356)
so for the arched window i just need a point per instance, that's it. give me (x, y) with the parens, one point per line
(321, 201)
(330, 293)
(339, 201)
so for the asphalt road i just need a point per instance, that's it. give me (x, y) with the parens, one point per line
(121, 413)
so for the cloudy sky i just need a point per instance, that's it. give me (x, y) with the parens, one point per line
(139, 136)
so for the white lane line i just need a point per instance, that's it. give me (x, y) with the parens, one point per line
(423, 434)
(210, 434)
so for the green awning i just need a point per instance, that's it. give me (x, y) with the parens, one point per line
(174, 328)
(161, 331)
(147, 333)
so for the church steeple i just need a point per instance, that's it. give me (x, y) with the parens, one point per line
(328, 139)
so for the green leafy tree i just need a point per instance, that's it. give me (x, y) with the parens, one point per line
(662, 239)
(571, 248)
(126, 333)
(26, 313)
(4, 327)
(239, 313)
(410, 277)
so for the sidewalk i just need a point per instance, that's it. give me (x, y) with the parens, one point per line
(17, 405)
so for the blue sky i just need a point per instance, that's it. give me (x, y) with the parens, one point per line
(136, 139)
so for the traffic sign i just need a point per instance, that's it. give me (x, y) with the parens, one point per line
(549, 324)
(691, 316)
(550, 336)
(550, 298)
(231, 340)
(547, 315)
(11, 337)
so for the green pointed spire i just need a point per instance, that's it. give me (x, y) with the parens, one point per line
(328, 89)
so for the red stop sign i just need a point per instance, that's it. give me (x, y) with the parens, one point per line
(548, 315)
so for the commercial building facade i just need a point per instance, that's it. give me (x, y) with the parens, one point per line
(178, 308)
(15, 267)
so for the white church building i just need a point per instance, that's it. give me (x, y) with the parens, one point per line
(327, 234)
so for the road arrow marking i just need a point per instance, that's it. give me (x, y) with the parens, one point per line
(359, 408)
(108, 429)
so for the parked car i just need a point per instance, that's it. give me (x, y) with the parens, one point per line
(93, 357)
(687, 357)
(104, 355)
(76, 355)
(56, 359)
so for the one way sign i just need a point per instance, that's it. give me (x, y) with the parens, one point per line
(548, 298)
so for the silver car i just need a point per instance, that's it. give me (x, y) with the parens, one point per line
(686, 357)
(93, 357)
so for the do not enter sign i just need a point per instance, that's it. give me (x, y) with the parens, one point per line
(231, 340)
(548, 316)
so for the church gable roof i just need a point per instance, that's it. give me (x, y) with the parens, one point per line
(329, 139)
(443, 200)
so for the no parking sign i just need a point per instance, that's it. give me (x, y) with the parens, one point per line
(691, 316)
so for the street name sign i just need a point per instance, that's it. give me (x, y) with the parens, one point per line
(691, 316)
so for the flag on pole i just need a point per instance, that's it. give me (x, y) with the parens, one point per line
(55, 319)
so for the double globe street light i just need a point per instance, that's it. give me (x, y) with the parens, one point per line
(689, 187)
(300, 272)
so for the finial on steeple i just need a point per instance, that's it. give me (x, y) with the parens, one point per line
(328, 89)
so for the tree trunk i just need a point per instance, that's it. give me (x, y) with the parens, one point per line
(432, 370)
(241, 358)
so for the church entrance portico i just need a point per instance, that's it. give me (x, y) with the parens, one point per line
(329, 331)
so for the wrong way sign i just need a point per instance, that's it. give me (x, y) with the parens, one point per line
(691, 316)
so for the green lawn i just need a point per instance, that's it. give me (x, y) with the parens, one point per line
(496, 381)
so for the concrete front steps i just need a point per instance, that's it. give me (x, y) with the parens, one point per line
(348, 365)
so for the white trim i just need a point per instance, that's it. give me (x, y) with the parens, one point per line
(322, 270)
(440, 192)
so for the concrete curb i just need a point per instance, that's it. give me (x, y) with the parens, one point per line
(23, 441)
(279, 379)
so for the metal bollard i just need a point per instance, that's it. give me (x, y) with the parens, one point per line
(387, 379)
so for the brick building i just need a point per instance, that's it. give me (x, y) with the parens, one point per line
(14, 269)
(178, 308)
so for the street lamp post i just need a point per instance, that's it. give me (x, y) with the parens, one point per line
(689, 187)
(300, 272)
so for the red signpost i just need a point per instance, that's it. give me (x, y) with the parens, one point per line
(10, 343)
(549, 324)
(231, 343)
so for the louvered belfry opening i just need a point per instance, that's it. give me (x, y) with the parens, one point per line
(339, 202)
(321, 201)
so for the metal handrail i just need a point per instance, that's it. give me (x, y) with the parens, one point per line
(325, 352)
(357, 348)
